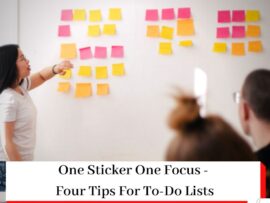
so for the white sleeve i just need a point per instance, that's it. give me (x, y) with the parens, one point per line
(26, 83)
(7, 108)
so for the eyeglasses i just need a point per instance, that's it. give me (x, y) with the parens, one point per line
(236, 97)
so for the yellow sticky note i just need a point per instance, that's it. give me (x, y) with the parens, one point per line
(67, 75)
(102, 89)
(186, 43)
(101, 72)
(115, 14)
(68, 51)
(93, 30)
(95, 15)
(165, 48)
(63, 87)
(185, 27)
(253, 31)
(253, 15)
(255, 46)
(166, 32)
(220, 47)
(238, 49)
(85, 71)
(79, 14)
(83, 90)
(109, 29)
(152, 31)
(118, 69)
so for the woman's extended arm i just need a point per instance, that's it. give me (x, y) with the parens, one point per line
(47, 73)
(11, 147)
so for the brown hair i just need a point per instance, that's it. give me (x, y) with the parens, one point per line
(203, 139)
(256, 91)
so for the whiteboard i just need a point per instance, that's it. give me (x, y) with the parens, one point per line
(130, 123)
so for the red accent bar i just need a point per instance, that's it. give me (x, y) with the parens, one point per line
(128, 201)
(263, 181)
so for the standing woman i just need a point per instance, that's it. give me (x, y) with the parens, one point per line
(17, 111)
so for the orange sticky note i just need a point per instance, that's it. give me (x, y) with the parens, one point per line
(253, 31)
(253, 15)
(63, 87)
(79, 14)
(115, 14)
(83, 90)
(94, 15)
(166, 32)
(68, 51)
(101, 72)
(238, 49)
(152, 31)
(220, 47)
(255, 46)
(118, 69)
(185, 27)
(102, 89)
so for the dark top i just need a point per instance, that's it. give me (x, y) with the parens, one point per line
(263, 155)
(2, 176)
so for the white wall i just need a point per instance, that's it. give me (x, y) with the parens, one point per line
(130, 124)
(8, 21)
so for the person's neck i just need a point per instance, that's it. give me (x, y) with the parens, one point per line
(260, 131)
(17, 89)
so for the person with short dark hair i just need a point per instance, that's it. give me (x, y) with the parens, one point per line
(254, 112)
(207, 138)
(17, 111)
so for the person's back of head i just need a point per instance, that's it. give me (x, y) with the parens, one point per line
(256, 91)
(203, 139)
(8, 68)
(254, 107)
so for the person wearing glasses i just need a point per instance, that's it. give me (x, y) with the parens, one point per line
(17, 111)
(199, 138)
(254, 113)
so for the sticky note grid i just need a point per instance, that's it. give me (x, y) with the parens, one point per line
(85, 79)
(236, 25)
(184, 27)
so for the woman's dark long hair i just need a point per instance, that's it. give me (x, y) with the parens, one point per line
(8, 67)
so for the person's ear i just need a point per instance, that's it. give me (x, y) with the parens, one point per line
(246, 111)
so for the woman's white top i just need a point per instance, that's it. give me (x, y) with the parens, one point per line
(21, 109)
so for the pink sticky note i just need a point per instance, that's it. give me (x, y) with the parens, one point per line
(184, 13)
(224, 16)
(168, 14)
(100, 52)
(151, 15)
(238, 32)
(67, 15)
(85, 53)
(63, 30)
(117, 51)
(238, 16)
(223, 32)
